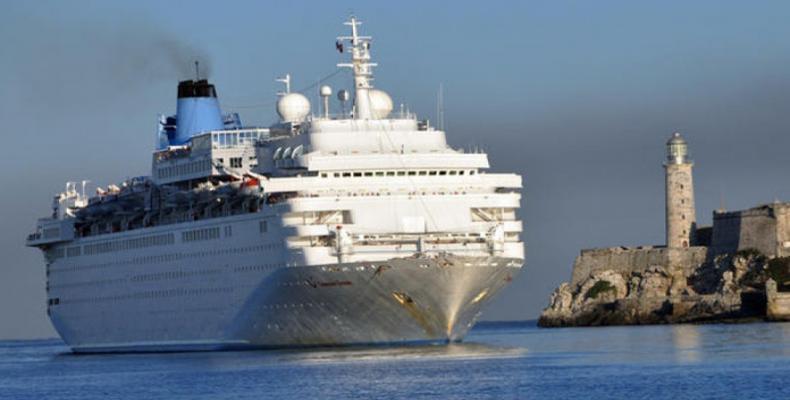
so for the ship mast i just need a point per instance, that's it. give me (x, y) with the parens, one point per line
(361, 65)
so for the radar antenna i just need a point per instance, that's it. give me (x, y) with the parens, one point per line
(361, 65)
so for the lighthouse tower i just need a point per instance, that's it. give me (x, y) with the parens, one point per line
(681, 215)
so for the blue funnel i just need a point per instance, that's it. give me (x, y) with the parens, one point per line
(197, 111)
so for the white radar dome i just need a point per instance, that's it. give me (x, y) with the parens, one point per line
(380, 103)
(293, 107)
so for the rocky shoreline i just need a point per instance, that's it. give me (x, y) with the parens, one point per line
(725, 288)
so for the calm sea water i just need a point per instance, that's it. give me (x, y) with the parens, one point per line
(502, 360)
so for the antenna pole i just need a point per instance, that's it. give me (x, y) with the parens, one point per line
(361, 65)
(287, 81)
(440, 107)
(197, 70)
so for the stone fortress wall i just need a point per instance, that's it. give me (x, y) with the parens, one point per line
(765, 228)
(634, 259)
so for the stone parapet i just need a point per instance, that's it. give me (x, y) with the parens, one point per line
(634, 259)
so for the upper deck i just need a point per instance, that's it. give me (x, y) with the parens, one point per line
(207, 155)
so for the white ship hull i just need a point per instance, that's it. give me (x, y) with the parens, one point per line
(238, 291)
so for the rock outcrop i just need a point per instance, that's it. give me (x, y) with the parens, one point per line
(726, 288)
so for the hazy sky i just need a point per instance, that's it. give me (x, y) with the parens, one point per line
(578, 97)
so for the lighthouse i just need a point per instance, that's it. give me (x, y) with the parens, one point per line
(680, 212)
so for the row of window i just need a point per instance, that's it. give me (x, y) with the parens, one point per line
(50, 233)
(55, 253)
(158, 276)
(152, 294)
(285, 306)
(87, 283)
(233, 139)
(184, 169)
(75, 251)
(263, 267)
(397, 173)
(164, 258)
(130, 244)
(200, 234)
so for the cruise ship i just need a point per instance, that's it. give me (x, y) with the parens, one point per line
(358, 226)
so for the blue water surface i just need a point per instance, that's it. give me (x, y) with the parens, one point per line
(497, 361)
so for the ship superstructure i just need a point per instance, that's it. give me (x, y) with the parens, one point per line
(322, 229)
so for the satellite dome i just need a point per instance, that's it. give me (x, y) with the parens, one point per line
(325, 91)
(380, 103)
(293, 107)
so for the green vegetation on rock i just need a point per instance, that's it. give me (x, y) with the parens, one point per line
(599, 288)
(749, 253)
